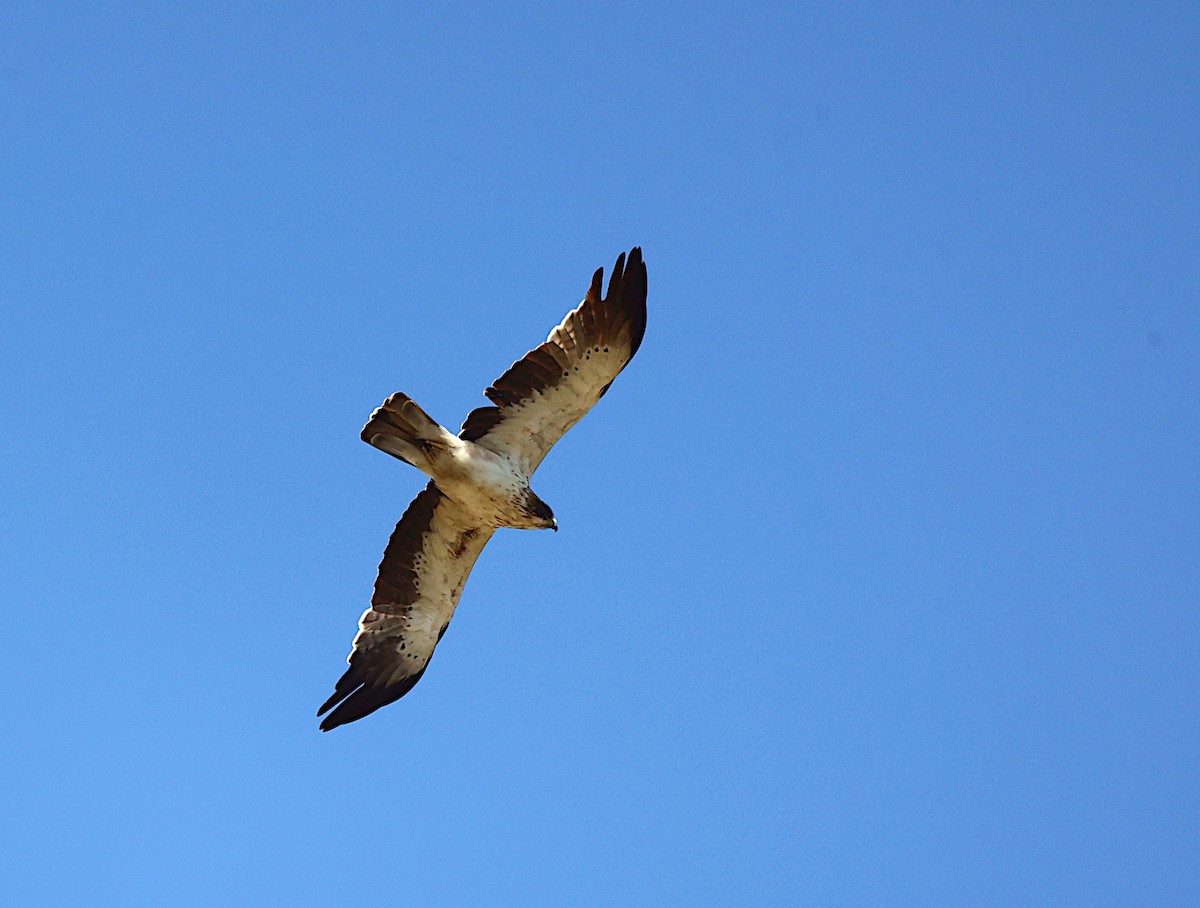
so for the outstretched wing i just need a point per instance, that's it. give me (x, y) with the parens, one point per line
(421, 577)
(554, 385)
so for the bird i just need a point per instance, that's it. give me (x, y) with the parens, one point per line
(478, 483)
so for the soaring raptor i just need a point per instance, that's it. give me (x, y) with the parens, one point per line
(479, 480)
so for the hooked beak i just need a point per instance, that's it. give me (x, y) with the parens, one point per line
(554, 524)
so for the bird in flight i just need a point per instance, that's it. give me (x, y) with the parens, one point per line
(479, 481)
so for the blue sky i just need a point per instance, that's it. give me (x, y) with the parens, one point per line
(876, 581)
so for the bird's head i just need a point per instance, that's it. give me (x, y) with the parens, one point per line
(540, 512)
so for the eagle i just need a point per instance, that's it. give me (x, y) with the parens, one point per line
(478, 482)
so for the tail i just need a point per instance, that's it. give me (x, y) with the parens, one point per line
(404, 430)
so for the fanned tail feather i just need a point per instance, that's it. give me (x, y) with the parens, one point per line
(401, 428)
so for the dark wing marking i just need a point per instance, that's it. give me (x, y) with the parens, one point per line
(550, 389)
(424, 568)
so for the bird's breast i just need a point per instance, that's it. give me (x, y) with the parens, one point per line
(484, 483)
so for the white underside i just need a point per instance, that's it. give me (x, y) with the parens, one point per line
(487, 485)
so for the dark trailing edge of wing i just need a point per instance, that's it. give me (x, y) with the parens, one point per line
(601, 320)
(364, 688)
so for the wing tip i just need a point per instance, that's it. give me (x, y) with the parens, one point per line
(625, 264)
(359, 699)
(631, 290)
(593, 293)
(614, 280)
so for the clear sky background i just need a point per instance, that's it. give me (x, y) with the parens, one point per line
(877, 582)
